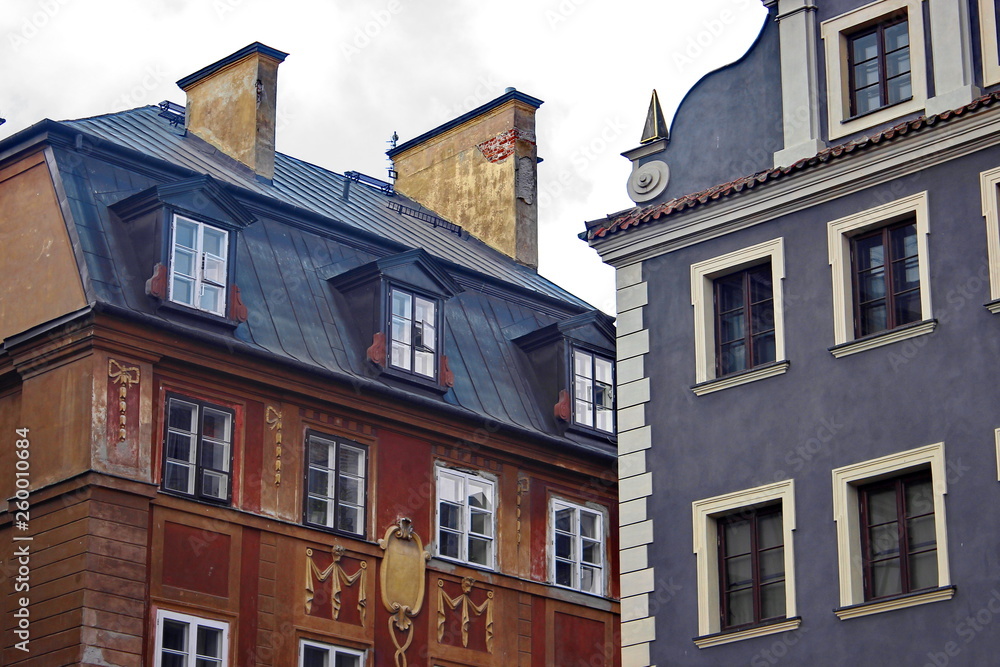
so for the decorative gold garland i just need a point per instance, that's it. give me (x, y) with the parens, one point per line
(465, 600)
(125, 377)
(340, 576)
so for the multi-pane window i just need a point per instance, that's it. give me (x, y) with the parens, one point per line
(335, 484)
(198, 262)
(899, 540)
(744, 320)
(197, 454)
(188, 641)
(578, 547)
(593, 391)
(879, 62)
(414, 342)
(751, 567)
(315, 654)
(886, 270)
(466, 508)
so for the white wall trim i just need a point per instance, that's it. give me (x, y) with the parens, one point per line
(988, 43)
(704, 514)
(839, 233)
(990, 187)
(952, 56)
(834, 33)
(845, 512)
(706, 271)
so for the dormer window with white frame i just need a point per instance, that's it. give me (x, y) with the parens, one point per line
(413, 344)
(593, 391)
(199, 255)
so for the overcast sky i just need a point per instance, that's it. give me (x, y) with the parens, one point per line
(359, 70)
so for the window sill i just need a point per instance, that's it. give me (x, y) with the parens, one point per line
(883, 338)
(462, 563)
(749, 633)
(743, 377)
(993, 306)
(853, 124)
(902, 602)
(196, 313)
(866, 114)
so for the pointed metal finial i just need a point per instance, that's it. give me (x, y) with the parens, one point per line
(656, 127)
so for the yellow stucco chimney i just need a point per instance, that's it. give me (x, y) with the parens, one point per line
(480, 171)
(231, 104)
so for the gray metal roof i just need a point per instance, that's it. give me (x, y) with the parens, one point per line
(281, 267)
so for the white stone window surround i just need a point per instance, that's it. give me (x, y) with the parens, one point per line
(703, 275)
(193, 623)
(704, 515)
(839, 234)
(465, 532)
(845, 513)
(835, 32)
(990, 185)
(988, 42)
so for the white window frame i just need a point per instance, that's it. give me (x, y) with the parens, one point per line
(846, 481)
(199, 441)
(201, 257)
(706, 530)
(988, 42)
(593, 356)
(556, 504)
(839, 234)
(332, 494)
(193, 622)
(703, 275)
(332, 651)
(835, 32)
(463, 551)
(989, 182)
(411, 325)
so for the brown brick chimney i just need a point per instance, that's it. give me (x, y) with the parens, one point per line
(231, 104)
(480, 171)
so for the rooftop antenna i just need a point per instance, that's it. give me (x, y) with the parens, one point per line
(393, 140)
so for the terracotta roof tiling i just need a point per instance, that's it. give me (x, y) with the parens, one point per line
(623, 220)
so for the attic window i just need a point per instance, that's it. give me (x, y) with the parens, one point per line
(198, 265)
(413, 325)
(593, 391)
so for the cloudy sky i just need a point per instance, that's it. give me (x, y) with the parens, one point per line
(359, 70)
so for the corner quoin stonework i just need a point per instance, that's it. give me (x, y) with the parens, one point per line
(635, 484)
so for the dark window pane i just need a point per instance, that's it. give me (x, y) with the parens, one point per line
(737, 536)
(907, 308)
(897, 63)
(896, 36)
(762, 317)
(319, 481)
(740, 607)
(884, 540)
(764, 349)
(731, 327)
(871, 285)
(449, 544)
(867, 99)
(869, 252)
(739, 572)
(175, 635)
(479, 551)
(177, 477)
(769, 531)
(866, 74)
(772, 565)
(733, 358)
(920, 533)
(760, 284)
(564, 573)
(209, 642)
(881, 506)
(564, 546)
(349, 518)
(873, 319)
(344, 660)
(451, 516)
(182, 416)
(317, 511)
(315, 657)
(172, 660)
(730, 291)
(905, 275)
(923, 571)
(772, 600)
(865, 47)
(885, 578)
(919, 497)
(179, 446)
(899, 89)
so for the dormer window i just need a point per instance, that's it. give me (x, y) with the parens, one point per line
(413, 343)
(593, 391)
(198, 265)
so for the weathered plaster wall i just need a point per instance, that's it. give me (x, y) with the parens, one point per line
(39, 280)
